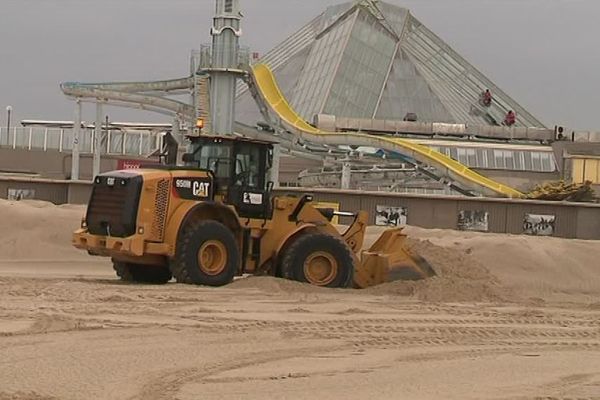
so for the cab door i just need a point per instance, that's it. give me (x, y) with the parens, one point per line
(249, 192)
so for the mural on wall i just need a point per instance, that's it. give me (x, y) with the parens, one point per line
(470, 220)
(21, 194)
(539, 225)
(391, 216)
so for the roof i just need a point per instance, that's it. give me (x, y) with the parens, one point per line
(371, 59)
(236, 139)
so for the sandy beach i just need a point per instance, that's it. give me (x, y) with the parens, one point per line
(507, 317)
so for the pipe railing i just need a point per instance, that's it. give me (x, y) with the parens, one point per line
(115, 142)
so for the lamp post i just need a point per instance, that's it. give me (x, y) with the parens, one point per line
(8, 111)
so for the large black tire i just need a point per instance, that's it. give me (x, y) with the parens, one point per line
(319, 259)
(129, 272)
(207, 254)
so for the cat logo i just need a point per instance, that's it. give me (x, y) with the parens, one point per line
(200, 189)
(193, 188)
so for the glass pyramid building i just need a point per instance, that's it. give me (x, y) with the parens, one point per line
(370, 59)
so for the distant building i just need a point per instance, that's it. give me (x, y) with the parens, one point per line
(371, 59)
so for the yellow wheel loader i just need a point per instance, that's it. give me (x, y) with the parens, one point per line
(216, 218)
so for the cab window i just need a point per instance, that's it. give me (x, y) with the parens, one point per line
(216, 158)
(248, 167)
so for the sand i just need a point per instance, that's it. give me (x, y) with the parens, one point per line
(506, 318)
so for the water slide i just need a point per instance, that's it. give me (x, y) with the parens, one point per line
(269, 94)
(150, 96)
(136, 94)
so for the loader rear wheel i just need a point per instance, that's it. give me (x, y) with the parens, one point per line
(130, 272)
(319, 259)
(207, 254)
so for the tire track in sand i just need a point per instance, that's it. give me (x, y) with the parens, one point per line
(165, 385)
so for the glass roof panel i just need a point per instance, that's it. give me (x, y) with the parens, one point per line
(320, 70)
(408, 92)
(364, 67)
(343, 65)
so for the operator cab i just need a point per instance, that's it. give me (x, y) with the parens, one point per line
(240, 168)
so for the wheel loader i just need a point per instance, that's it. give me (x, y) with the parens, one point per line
(216, 218)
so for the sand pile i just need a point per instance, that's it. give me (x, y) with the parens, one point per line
(460, 278)
(35, 230)
(470, 266)
(535, 267)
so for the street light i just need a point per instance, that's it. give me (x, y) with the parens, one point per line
(8, 111)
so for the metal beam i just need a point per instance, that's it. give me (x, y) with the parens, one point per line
(346, 176)
(76, 140)
(226, 34)
(97, 140)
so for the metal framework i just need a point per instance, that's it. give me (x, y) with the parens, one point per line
(356, 58)
(391, 59)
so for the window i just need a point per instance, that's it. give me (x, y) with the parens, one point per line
(363, 69)
(320, 70)
(528, 161)
(537, 161)
(462, 156)
(472, 158)
(509, 160)
(547, 162)
(247, 167)
(228, 6)
(491, 160)
(591, 171)
(216, 158)
(586, 170)
(515, 160)
(499, 157)
(519, 161)
(482, 158)
(454, 153)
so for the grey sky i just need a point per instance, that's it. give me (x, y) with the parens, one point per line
(544, 53)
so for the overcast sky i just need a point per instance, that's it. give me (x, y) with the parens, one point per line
(544, 53)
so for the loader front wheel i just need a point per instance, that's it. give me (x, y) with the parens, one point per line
(319, 259)
(207, 254)
(130, 272)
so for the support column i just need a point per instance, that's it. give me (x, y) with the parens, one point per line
(76, 141)
(226, 32)
(274, 173)
(97, 141)
(176, 131)
(346, 176)
(179, 137)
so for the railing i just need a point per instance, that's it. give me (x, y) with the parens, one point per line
(115, 142)
(593, 137)
(206, 57)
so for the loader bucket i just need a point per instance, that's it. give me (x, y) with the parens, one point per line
(389, 259)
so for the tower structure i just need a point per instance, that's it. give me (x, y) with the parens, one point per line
(226, 32)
